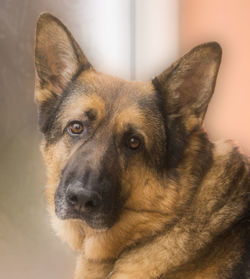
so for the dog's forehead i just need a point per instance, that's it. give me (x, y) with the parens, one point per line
(112, 88)
(106, 94)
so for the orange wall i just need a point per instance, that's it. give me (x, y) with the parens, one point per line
(228, 22)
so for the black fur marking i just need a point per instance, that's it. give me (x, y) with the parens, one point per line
(237, 180)
(46, 112)
(49, 109)
(91, 114)
(156, 156)
(146, 211)
(203, 160)
(176, 134)
(241, 269)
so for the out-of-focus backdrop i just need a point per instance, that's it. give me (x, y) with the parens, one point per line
(133, 39)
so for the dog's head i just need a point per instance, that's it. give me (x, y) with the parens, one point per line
(109, 143)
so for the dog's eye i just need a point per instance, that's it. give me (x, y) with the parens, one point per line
(75, 128)
(134, 143)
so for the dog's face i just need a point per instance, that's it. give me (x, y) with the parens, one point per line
(109, 144)
(101, 143)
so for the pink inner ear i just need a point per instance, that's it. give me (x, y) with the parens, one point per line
(52, 61)
(56, 62)
(57, 68)
(58, 56)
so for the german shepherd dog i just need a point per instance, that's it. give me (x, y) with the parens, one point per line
(134, 184)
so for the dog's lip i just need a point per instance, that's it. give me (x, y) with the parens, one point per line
(99, 221)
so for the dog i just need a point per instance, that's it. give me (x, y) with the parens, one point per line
(134, 184)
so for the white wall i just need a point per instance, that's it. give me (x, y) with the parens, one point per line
(156, 36)
(105, 30)
(133, 39)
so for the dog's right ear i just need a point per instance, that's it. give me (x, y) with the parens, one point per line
(188, 85)
(58, 58)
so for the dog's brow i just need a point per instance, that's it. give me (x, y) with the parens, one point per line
(78, 107)
(133, 117)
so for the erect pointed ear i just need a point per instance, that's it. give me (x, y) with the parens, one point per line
(187, 86)
(58, 58)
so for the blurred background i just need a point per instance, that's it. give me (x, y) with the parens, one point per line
(133, 39)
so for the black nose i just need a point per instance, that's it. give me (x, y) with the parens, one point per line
(82, 199)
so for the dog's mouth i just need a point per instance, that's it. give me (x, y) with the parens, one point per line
(100, 220)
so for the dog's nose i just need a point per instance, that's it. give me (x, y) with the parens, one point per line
(81, 198)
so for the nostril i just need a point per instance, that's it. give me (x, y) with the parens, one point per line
(72, 199)
(89, 204)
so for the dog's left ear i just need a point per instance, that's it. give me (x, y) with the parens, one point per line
(58, 58)
(187, 86)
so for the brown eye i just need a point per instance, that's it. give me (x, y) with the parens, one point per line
(134, 143)
(75, 128)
